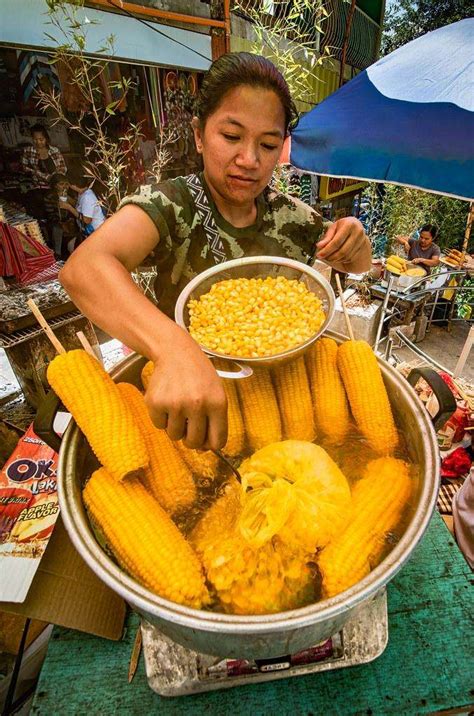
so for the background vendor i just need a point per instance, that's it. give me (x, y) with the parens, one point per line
(422, 251)
(40, 161)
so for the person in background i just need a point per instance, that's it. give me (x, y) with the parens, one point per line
(61, 225)
(87, 211)
(423, 250)
(90, 211)
(40, 161)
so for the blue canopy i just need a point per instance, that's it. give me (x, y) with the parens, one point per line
(408, 119)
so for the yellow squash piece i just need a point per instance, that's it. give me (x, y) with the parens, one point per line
(415, 272)
(259, 409)
(330, 406)
(294, 400)
(367, 395)
(144, 539)
(298, 493)
(167, 477)
(97, 406)
(378, 502)
(248, 580)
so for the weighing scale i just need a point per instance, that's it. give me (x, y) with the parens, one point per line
(173, 670)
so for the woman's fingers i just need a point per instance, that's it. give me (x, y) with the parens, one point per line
(217, 425)
(196, 430)
(176, 427)
(342, 241)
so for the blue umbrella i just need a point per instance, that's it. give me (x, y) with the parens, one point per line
(408, 119)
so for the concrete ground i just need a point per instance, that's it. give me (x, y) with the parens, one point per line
(444, 347)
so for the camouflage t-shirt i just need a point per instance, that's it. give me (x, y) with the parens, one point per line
(284, 226)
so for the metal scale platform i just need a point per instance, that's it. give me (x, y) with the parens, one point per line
(173, 670)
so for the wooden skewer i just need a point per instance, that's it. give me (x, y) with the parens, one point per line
(344, 308)
(85, 344)
(44, 325)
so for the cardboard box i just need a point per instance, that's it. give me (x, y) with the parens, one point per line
(66, 592)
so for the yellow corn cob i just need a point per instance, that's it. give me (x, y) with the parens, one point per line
(330, 406)
(367, 395)
(145, 541)
(235, 423)
(249, 580)
(201, 462)
(378, 501)
(94, 401)
(236, 432)
(167, 478)
(147, 371)
(294, 400)
(259, 409)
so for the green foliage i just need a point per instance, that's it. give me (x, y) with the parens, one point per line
(107, 157)
(404, 210)
(289, 38)
(408, 19)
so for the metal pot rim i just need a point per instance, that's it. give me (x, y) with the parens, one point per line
(80, 532)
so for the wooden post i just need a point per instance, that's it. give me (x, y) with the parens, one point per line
(466, 349)
(346, 41)
(467, 233)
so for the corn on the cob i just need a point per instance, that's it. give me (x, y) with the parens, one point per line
(201, 462)
(367, 395)
(95, 402)
(294, 400)
(249, 580)
(255, 317)
(235, 423)
(147, 372)
(259, 409)
(145, 541)
(330, 406)
(378, 501)
(167, 476)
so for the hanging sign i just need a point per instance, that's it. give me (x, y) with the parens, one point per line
(333, 187)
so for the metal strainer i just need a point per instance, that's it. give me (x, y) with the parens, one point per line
(258, 267)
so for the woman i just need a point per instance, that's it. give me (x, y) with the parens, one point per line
(423, 250)
(243, 113)
(40, 161)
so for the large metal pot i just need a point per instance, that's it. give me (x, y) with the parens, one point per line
(250, 636)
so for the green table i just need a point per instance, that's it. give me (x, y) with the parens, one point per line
(427, 666)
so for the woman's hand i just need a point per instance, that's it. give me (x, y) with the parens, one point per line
(186, 397)
(345, 246)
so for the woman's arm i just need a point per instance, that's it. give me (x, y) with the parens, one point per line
(345, 246)
(404, 240)
(427, 262)
(185, 394)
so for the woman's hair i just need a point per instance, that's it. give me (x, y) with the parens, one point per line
(39, 129)
(431, 228)
(242, 68)
(56, 179)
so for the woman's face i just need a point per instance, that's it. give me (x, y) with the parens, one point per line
(425, 239)
(39, 140)
(241, 143)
